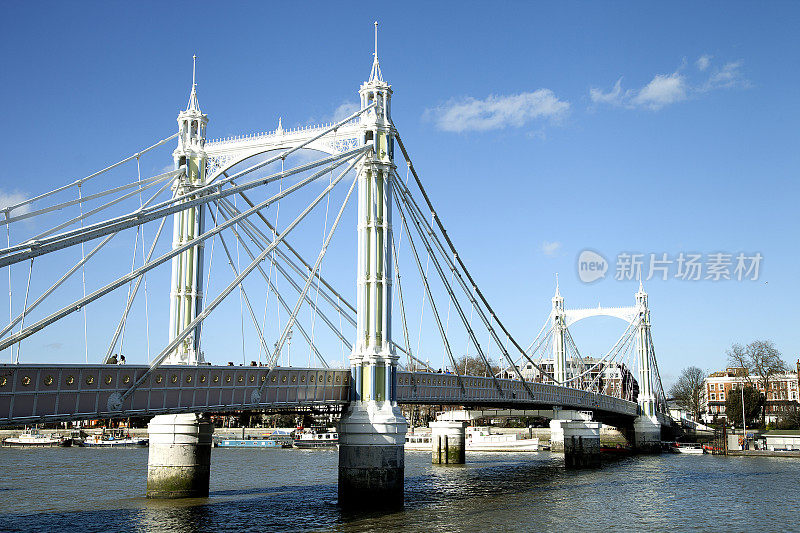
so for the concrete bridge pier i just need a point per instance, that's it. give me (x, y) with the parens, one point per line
(647, 434)
(581, 443)
(372, 456)
(448, 441)
(179, 462)
(560, 418)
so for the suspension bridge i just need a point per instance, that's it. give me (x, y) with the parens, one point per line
(228, 201)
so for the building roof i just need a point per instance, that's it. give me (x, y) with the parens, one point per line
(783, 433)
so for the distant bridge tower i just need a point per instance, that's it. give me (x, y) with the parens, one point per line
(372, 432)
(559, 327)
(186, 290)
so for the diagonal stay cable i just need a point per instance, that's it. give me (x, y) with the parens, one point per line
(289, 323)
(231, 286)
(76, 305)
(179, 203)
(272, 287)
(449, 289)
(430, 298)
(255, 234)
(455, 252)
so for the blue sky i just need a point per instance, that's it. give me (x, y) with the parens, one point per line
(540, 130)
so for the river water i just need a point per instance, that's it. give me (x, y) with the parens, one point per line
(84, 489)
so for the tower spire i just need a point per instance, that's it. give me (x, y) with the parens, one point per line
(193, 105)
(376, 74)
(557, 291)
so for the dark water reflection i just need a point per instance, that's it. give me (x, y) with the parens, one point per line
(288, 490)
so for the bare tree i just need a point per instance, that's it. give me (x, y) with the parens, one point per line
(761, 361)
(688, 389)
(474, 366)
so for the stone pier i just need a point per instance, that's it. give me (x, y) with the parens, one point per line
(372, 456)
(581, 444)
(179, 462)
(647, 434)
(448, 441)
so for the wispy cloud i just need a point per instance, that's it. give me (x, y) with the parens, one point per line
(666, 89)
(497, 111)
(12, 198)
(344, 110)
(703, 62)
(550, 248)
(53, 346)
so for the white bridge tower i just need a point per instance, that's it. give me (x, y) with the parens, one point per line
(372, 432)
(186, 289)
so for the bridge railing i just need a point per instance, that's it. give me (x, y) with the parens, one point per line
(49, 393)
(42, 393)
(425, 387)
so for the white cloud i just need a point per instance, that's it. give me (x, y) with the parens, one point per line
(497, 111)
(345, 110)
(550, 248)
(662, 90)
(666, 89)
(12, 198)
(703, 62)
(614, 97)
(728, 76)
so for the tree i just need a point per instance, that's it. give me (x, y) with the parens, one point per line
(761, 361)
(790, 420)
(753, 403)
(473, 365)
(688, 389)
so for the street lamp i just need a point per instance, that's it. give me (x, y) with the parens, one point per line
(744, 421)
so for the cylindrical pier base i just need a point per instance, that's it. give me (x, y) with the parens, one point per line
(179, 463)
(647, 435)
(448, 441)
(372, 456)
(581, 444)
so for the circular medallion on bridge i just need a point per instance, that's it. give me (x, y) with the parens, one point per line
(189, 379)
(26, 380)
(109, 379)
(126, 380)
(48, 380)
(203, 378)
(216, 379)
(3, 381)
(159, 378)
(227, 379)
(89, 380)
(114, 402)
(174, 378)
(70, 380)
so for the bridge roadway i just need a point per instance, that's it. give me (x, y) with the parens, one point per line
(37, 393)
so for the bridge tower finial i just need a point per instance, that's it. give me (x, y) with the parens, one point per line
(193, 104)
(376, 74)
(558, 294)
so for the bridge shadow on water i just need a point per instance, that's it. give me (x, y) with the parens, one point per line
(437, 499)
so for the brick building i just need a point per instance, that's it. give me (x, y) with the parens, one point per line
(782, 395)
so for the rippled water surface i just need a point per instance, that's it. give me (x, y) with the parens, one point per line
(82, 489)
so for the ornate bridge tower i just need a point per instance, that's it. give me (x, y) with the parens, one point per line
(186, 289)
(646, 427)
(372, 432)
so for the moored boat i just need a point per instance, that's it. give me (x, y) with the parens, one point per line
(691, 449)
(32, 438)
(114, 439)
(316, 438)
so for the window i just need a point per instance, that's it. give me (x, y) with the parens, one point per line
(722, 396)
(713, 396)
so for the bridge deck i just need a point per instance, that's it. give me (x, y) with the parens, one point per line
(51, 393)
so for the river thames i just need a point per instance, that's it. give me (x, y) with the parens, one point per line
(82, 489)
